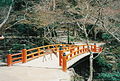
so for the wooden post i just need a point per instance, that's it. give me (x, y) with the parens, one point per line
(88, 48)
(57, 49)
(94, 47)
(78, 50)
(38, 51)
(64, 66)
(69, 47)
(60, 57)
(100, 49)
(83, 48)
(71, 51)
(24, 56)
(74, 52)
(91, 48)
(9, 60)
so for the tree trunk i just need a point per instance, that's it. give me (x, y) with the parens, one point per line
(91, 67)
(54, 4)
(5, 20)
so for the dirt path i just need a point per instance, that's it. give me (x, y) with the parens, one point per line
(18, 73)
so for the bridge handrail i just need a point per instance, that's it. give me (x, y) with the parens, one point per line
(29, 54)
(73, 53)
(12, 60)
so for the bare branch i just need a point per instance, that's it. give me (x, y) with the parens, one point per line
(103, 25)
(14, 24)
(79, 26)
(8, 14)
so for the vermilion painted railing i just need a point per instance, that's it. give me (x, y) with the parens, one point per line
(74, 52)
(27, 55)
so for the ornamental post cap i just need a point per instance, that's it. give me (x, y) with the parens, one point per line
(60, 47)
(64, 54)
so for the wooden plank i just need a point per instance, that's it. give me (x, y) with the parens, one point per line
(32, 49)
(17, 62)
(32, 54)
(16, 54)
(16, 58)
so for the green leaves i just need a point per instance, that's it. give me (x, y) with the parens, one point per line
(115, 76)
(73, 2)
(5, 2)
(26, 29)
(106, 36)
(103, 65)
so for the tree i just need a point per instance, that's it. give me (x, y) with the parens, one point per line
(6, 17)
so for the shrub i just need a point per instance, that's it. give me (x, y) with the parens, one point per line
(106, 36)
(115, 76)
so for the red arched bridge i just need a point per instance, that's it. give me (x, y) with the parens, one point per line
(64, 52)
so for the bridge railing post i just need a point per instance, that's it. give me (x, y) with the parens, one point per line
(24, 55)
(95, 47)
(64, 66)
(78, 50)
(88, 48)
(38, 49)
(9, 60)
(100, 49)
(83, 48)
(71, 51)
(60, 56)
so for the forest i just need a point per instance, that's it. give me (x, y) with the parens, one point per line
(32, 23)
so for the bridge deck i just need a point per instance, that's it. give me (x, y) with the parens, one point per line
(50, 61)
(24, 73)
(47, 61)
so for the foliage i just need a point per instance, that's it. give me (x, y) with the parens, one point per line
(74, 2)
(118, 66)
(116, 50)
(102, 64)
(61, 5)
(26, 29)
(19, 5)
(73, 15)
(1, 52)
(114, 76)
(5, 2)
(105, 70)
(18, 46)
(106, 36)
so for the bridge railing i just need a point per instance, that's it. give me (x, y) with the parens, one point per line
(29, 54)
(11, 59)
(74, 52)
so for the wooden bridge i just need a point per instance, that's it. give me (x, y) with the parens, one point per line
(66, 54)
